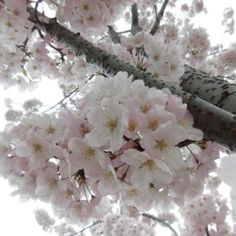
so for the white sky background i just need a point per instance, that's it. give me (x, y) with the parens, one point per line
(18, 218)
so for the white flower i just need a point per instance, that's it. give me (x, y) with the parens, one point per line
(161, 144)
(133, 41)
(91, 159)
(108, 183)
(103, 89)
(146, 170)
(154, 47)
(47, 182)
(36, 148)
(109, 124)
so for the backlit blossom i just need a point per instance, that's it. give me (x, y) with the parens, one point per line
(109, 123)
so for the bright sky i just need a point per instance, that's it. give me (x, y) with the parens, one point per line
(18, 218)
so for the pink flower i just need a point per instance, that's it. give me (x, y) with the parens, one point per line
(47, 182)
(146, 170)
(91, 159)
(161, 144)
(109, 124)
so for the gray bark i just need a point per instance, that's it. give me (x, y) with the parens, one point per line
(212, 89)
(159, 16)
(135, 28)
(216, 123)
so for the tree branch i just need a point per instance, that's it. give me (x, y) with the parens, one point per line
(115, 37)
(162, 222)
(212, 89)
(135, 28)
(159, 16)
(87, 227)
(222, 125)
(61, 102)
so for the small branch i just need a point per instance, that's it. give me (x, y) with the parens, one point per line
(23, 47)
(67, 96)
(159, 16)
(87, 227)
(207, 231)
(36, 10)
(194, 156)
(135, 28)
(62, 100)
(38, 30)
(124, 32)
(60, 51)
(113, 35)
(162, 222)
(185, 143)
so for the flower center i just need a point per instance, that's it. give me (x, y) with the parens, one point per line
(112, 124)
(161, 145)
(37, 147)
(152, 124)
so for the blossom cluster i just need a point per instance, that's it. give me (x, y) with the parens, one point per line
(13, 24)
(228, 20)
(32, 56)
(207, 213)
(158, 54)
(122, 144)
(196, 45)
(123, 225)
(89, 15)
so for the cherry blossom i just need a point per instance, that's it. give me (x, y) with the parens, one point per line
(113, 149)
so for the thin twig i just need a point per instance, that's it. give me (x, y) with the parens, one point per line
(113, 35)
(124, 32)
(159, 16)
(69, 95)
(207, 231)
(62, 100)
(87, 227)
(60, 51)
(36, 10)
(23, 47)
(162, 222)
(135, 28)
(194, 156)
(185, 143)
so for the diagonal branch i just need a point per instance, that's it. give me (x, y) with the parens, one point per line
(210, 88)
(162, 222)
(87, 227)
(222, 125)
(159, 16)
(135, 28)
(61, 102)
